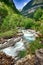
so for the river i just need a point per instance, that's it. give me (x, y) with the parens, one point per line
(20, 46)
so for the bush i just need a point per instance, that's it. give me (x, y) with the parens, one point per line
(8, 34)
(22, 54)
(42, 17)
(38, 14)
(28, 23)
(36, 25)
(9, 23)
(41, 28)
(3, 14)
(34, 46)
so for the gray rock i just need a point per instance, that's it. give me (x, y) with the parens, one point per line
(39, 57)
(9, 43)
(27, 60)
(20, 34)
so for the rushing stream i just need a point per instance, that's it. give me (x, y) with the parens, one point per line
(19, 46)
(13, 51)
(29, 36)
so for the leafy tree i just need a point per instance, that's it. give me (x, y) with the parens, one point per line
(3, 14)
(38, 14)
(28, 23)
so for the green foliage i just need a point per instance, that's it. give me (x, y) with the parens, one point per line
(10, 3)
(8, 24)
(22, 54)
(9, 17)
(41, 27)
(42, 17)
(6, 1)
(28, 23)
(36, 26)
(3, 14)
(11, 20)
(38, 14)
(8, 34)
(35, 45)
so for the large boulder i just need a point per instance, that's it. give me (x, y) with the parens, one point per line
(6, 60)
(39, 57)
(10, 42)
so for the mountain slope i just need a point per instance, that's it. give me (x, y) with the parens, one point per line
(32, 6)
(32, 3)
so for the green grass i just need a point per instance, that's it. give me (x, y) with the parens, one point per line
(34, 46)
(22, 53)
(8, 34)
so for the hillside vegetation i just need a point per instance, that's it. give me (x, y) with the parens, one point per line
(10, 19)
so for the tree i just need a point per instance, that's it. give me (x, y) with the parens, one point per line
(38, 14)
(28, 23)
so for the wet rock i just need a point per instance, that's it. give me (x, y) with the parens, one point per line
(39, 57)
(42, 42)
(39, 34)
(2, 40)
(20, 34)
(9, 43)
(6, 60)
(28, 60)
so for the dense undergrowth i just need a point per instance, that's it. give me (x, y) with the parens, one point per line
(10, 19)
(35, 45)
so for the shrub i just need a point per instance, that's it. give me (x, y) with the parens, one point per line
(22, 54)
(28, 23)
(36, 25)
(38, 14)
(34, 46)
(8, 34)
(3, 14)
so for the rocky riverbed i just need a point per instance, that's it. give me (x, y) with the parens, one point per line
(6, 60)
(36, 59)
(19, 43)
(13, 46)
